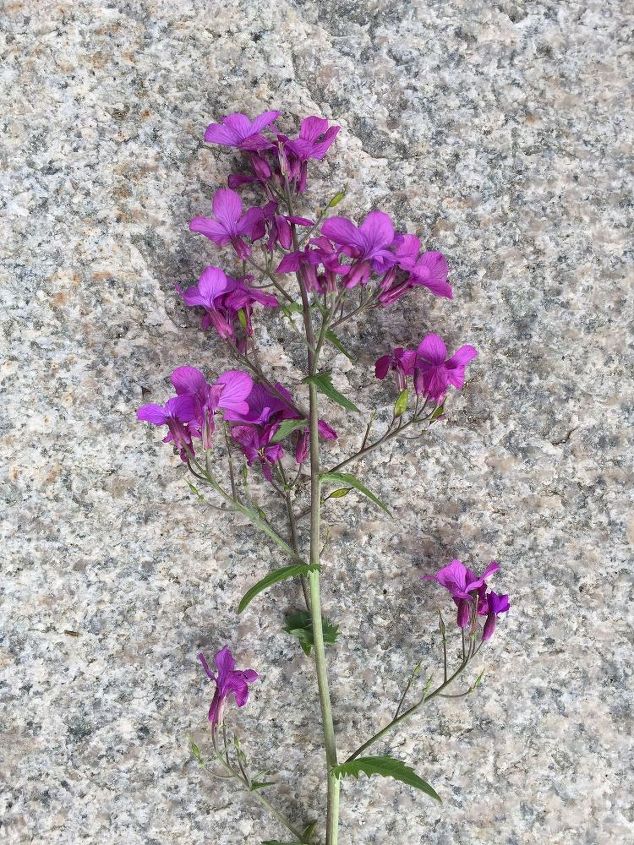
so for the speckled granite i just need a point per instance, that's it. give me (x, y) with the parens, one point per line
(500, 131)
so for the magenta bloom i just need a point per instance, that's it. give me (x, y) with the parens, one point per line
(369, 244)
(228, 393)
(175, 414)
(493, 606)
(223, 298)
(255, 442)
(229, 224)
(431, 271)
(401, 361)
(237, 130)
(229, 681)
(434, 372)
(314, 140)
(463, 585)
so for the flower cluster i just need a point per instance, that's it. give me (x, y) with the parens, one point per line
(472, 596)
(432, 369)
(254, 413)
(229, 681)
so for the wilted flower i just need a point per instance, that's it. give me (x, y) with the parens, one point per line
(493, 605)
(463, 585)
(401, 361)
(279, 226)
(229, 681)
(237, 130)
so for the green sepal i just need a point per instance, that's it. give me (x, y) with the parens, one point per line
(438, 411)
(400, 406)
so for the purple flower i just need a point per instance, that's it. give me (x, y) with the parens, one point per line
(430, 271)
(255, 442)
(401, 361)
(228, 393)
(434, 372)
(230, 224)
(314, 141)
(223, 298)
(369, 244)
(229, 681)
(493, 605)
(175, 414)
(463, 585)
(237, 130)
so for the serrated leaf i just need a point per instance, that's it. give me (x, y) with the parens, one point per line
(400, 406)
(338, 197)
(331, 337)
(339, 494)
(353, 481)
(385, 767)
(323, 383)
(261, 784)
(300, 625)
(437, 412)
(275, 577)
(287, 427)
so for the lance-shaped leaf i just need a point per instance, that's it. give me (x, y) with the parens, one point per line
(275, 577)
(287, 427)
(352, 481)
(438, 411)
(387, 767)
(323, 383)
(332, 338)
(338, 197)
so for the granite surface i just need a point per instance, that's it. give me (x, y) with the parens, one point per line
(499, 131)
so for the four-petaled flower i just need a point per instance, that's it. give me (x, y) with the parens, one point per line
(229, 224)
(493, 604)
(229, 681)
(469, 592)
(237, 130)
(369, 244)
(314, 140)
(434, 371)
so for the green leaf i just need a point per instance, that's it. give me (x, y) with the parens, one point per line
(338, 197)
(400, 406)
(195, 491)
(353, 481)
(275, 577)
(242, 318)
(437, 412)
(290, 308)
(299, 624)
(309, 830)
(332, 338)
(196, 752)
(323, 383)
(261, 784)
(387, 767)
(287, 427)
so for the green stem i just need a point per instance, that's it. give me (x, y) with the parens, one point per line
(330, 742)
(408, 713)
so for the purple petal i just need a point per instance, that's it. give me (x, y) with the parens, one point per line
(217, 133)
(183, 407)
(321, 148)
(342, 231)
(240, 124)
(382, 366)
(227, 207)
(252, 224)
(210, 228)
(312, 127)
(432, 349)
(225, 664)
(377, 230)
(205, 665)
(463, 356)
(290, 263)
(188, 380)
(263, 120)
(326, 431)
(154, 414)
(236, 387)
(212, 283)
